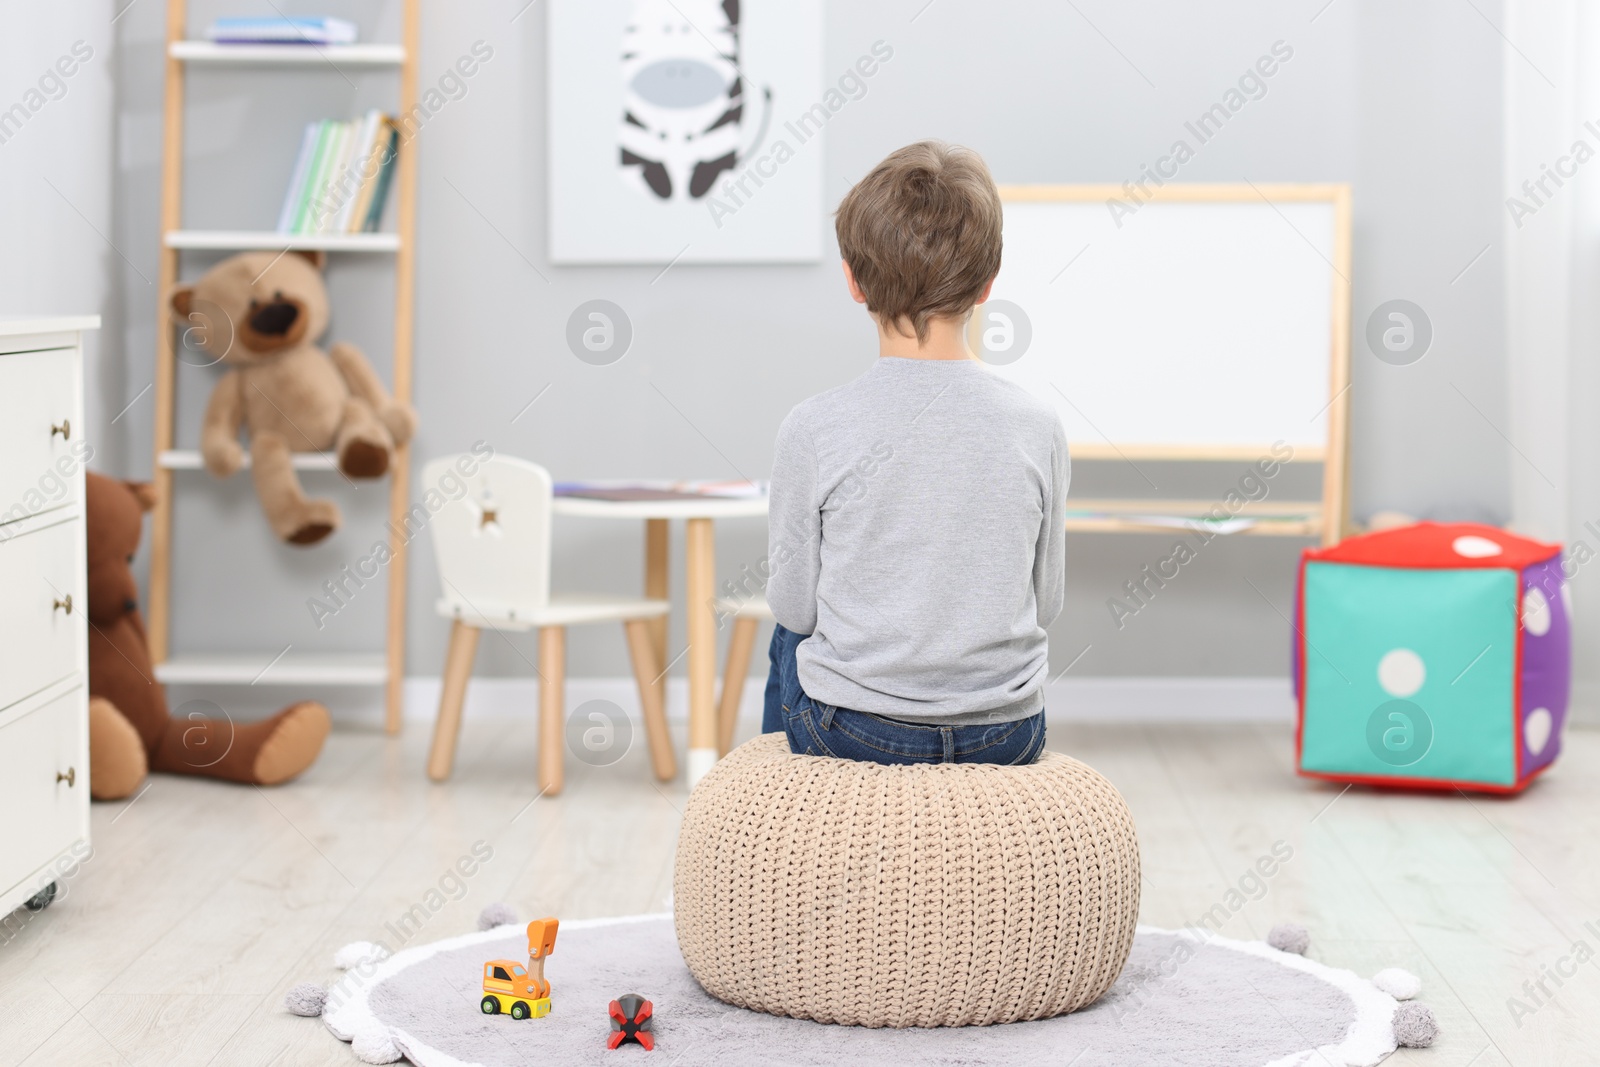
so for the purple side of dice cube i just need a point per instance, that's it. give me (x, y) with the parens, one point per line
(1546, 664)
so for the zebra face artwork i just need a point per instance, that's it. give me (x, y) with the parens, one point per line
(683, 98)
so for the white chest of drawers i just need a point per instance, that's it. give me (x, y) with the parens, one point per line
(44, 667)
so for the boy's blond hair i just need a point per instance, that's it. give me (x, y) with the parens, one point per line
(921, 233)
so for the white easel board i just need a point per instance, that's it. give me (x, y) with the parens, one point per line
(1205, 322)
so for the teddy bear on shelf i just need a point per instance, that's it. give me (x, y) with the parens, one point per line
(131, 731)
(262, 313)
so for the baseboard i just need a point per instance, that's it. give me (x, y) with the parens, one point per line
(1584, 705)
(1089, 700)
(1107, 700)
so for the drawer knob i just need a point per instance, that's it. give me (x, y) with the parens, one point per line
(65, 604)
(65, 429)
(71, 777)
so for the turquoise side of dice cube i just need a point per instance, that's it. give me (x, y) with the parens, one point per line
(1458, 726)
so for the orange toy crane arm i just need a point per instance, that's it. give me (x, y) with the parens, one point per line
(541, 942)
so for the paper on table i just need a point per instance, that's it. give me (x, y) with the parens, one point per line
(626, 493)
(661, 489)
(1221, 526)
(1176, 522)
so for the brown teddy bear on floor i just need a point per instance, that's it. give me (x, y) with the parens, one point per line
(262, 312)
(130, 729)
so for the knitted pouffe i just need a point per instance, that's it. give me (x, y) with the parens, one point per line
(927, 895)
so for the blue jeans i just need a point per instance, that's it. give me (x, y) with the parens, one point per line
(818, 729)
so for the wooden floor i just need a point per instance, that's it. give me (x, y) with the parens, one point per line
(203, 903)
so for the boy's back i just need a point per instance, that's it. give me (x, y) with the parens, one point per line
(917, 524)
(918, 514)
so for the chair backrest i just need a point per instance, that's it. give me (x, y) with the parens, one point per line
(491, 536)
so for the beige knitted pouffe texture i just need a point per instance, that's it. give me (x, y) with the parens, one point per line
(924, 895)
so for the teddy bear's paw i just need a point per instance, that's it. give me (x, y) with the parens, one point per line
(311, 533)
(117, 762)
(222, 458)
(362, 457)
(307, 521)
(294, 743)
(400, 420)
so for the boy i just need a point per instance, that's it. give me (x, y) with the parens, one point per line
(917, 513)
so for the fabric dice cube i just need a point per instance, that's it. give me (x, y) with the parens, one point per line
(1435, 656)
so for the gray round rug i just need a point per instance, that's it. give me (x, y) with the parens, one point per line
(1184, 998)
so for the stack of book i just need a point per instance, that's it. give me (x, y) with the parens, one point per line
(342, 177)
(282, 31)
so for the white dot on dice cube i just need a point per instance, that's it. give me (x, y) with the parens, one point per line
(1474, 547)
(1536, 729)
(1401, 672)
(1535, 613)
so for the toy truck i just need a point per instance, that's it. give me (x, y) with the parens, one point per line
(518, 991)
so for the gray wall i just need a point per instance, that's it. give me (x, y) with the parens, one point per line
(56, 169)
(1403, 104)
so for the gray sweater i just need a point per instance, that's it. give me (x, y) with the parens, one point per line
(916, 533)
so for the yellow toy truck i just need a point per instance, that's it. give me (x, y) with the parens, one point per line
(518, 991)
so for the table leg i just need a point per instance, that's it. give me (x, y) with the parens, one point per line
(702, 654)
(552, 708)
(657, 542)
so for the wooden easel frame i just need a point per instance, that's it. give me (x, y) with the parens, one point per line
(1331, 522)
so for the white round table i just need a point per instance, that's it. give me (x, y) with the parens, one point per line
(700, 557)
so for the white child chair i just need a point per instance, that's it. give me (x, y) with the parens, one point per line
(491, 538)
(748, 613)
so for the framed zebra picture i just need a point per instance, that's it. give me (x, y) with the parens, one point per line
(686, 131)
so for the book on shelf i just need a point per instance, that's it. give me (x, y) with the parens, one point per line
(354, 169)
(341, 179)
(302, 163)
(372, 220)
(281, 30)
(324, 199)
(308, 174)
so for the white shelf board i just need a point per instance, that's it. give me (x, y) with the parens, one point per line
(271, 668)
(182, 459)
(267, 240)
(356, 55)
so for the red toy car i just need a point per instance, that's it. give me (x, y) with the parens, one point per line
(631, 1016)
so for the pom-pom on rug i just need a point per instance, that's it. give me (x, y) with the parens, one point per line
(1183, 999)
